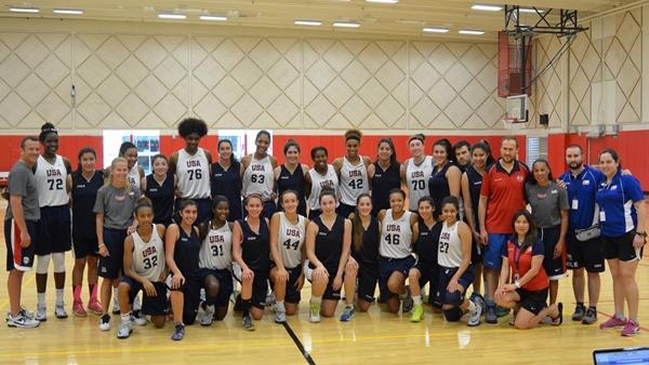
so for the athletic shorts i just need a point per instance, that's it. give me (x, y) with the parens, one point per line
(152, 306)
(621, 247)
(366, 282)
(386, 267)
(293, 295)
(54, 228)
(259, 289)
(492, 252)
(429, 275)
(345, 210)
(84, 247)
(588, 254)
(110, 267)
(19, 258)
(445, 276)
(191, 297)
(330, 293)
(555, 268)
(476, 252)
(224, 277)
(533, 301)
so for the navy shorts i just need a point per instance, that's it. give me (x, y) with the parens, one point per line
(259, 289)
(367, 279)
(554, 267)
(621, 247)
(492, 253)
(152, 306)
(533, 301)
(224, 277)
(330, 293)
(429, 275)
(54, 228)
(588, 254)
(84, 247)
(19, 258)
(293, 296)
(110, 267)
(386, 267)
(191, 297)
(445, 276)
(345, 210)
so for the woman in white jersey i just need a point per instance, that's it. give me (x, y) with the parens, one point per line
(416, 170)
(456, 272)
(258, 174)
(144, 270)
(353, 171)
(398, 233)
(321, 177)
(287, 232)
(215, 262)
(191, 165)
(54, 180)
(128, 151)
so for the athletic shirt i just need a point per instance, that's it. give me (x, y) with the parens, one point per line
(383, 182)
(318, 183)
(427, 244)
(353, 181)
(417, 180)
(438, 186)
(396, 236)
(193, 174)
(255, 248)
(290, 240)
(615, 199)
(216, 249)
(187, 251)
(149, 257)
(521, 262)
(258, 178)
(292, 181)
(329, 243)
(134, 176)
(162, 198)
(51, 182)
(450, 246)
(368, 254)
(84, 194)
(475, 184)
(228, 183)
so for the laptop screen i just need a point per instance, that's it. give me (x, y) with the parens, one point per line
(622, 356)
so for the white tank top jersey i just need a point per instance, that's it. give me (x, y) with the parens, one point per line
(216, 249)
(134, 177)
(417, 179)
(259, 178)
(318, 183)
(353, 181)
(450, 246)
(149, 257)
(193, 174)
(51, 182)
(396, 236)
(290, 241)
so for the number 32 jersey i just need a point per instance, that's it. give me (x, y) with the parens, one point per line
(216, 249)
(193, 173)
(51, 182)
(149, 257)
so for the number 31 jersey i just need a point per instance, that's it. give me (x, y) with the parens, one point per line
(149, 257)
(51, 182)
(290, 241)
(193, 173)
(216, 249)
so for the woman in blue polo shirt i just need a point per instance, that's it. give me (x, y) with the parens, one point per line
(621, 218)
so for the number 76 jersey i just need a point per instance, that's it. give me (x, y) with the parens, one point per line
(216, 249)
(149, 257)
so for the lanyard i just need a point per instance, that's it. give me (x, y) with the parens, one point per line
(518, 253)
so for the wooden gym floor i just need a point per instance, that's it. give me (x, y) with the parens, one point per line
(375, 337)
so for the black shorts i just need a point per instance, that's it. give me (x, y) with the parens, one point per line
(191, 290)
(445, 276)
(588, 254)
(54, 228)
(293, 296)
(429, 275)
(555, 268)
(110, 266)
(621, 247)
(84, 247)
(19, 258)
(259, 289)
(330, 293)
(152, 306)
(476, 252)
(345, 210)
(224, 277)
(367, 280)
(533, 301)
(386, 267)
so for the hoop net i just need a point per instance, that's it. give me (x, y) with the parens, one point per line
(512, 125)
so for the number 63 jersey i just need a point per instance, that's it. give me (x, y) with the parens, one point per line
(149, 257)
(216, 249)
(51, 182)
(290, 241)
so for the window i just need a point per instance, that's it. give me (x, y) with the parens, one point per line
(146, 141)
(243, 141)
(537, 147)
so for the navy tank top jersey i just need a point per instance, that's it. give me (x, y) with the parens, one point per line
(84, 194)
(329, 243)
(427, 243)
(367, 255)
(475, 184)
(292, 181)
(438, 187)
(162, 198)
(382, 183)
(255, 248)
(187, 251)
(228, 183)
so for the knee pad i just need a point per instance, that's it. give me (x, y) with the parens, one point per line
(42, 264)
(453, 314)
(455, 298)
(58, 261)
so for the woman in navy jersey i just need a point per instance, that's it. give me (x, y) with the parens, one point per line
(226, 179)
(86, 181)
(251, 250)
(159, 188)
(445, 177)
(128, 151)
(258, 173)
(386, 175)
(321, 177)
(366, 233)
(354, 173)
(291, 175)
(182, 250)
(416, 170)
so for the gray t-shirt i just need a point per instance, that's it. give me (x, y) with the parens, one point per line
(117, 205)
(547, 203)
(22, 182)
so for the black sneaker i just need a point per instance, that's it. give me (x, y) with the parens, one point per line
(578, 315)
(590, 317)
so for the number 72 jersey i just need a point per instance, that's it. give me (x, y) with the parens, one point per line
(51, 182)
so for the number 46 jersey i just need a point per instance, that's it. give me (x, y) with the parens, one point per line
(216, 249)
(149, 257)
(290, 241)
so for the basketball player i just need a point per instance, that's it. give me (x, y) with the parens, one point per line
(445, 178)
(291, 174)
(321, 177)
(353, 171)
(366, 233)
(226, 178)
(128, 151)
(258, 174)
(386, 176)
(416, 170)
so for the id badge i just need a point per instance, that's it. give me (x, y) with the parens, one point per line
(575, 204)
(602, 216)
(516, 277)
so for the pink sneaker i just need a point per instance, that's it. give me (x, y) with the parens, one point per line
(77, 309)
(95, 308)
(631, 328)
(613, 322)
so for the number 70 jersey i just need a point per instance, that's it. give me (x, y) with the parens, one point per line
(51, 182)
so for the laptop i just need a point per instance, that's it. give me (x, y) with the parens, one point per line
(622, 356)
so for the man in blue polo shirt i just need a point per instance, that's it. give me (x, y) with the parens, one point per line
(582, 182)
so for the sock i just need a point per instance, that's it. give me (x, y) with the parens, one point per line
(59, 296)
(92, 289)
(417, 299)
(580, 304)
(76, 293)
(619, 316)
(41, 299)
(280, 305)
(245, 307)
(126, 317)
(593, 308)
(316, 300)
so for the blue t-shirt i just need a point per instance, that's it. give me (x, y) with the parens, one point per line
(582, 190)
(615, 199)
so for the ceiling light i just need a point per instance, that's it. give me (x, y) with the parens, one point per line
(313, 23)
(383, 1)
(435, 30)
(487, 7)
(471, 32)
(24, 10)
(172, 16)
(346, 24)
(529, 10)
(69, 11)
(214, 18)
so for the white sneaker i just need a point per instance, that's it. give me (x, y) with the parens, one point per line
(115, 303)
(314, 312)
(280, 313)
(137, 304)
(26, 312)
(208, 314)
(125, 330)
(138, 318)
(41, 313)
(59, 311)
(22, 321)
(104, 322)
(474, 315)
(270, 299)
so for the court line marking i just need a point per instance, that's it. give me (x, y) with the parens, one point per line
(5, 303)
(299, 344)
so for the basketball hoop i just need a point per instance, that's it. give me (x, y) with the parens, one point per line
(513, 124)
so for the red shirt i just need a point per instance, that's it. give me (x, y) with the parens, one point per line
(521, 262)
(505, 194)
